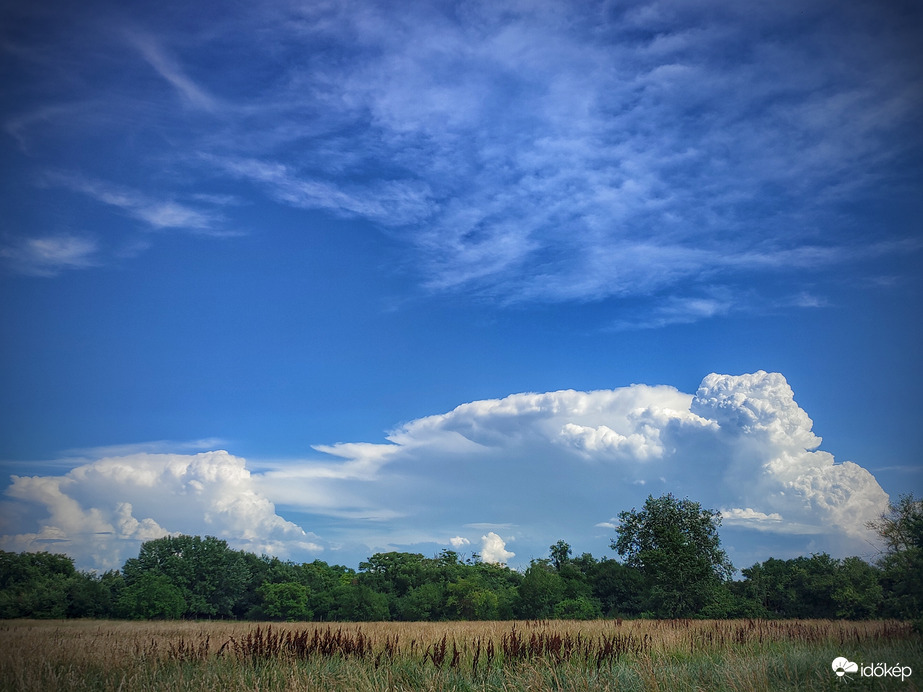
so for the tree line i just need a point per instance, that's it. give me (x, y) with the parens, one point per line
(671, 565)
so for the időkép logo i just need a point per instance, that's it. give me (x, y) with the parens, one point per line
(843, 667)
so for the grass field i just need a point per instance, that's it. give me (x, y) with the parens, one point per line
(553, 655)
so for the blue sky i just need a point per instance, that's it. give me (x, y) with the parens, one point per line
(331, 278)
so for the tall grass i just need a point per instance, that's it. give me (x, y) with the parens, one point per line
(555, 655)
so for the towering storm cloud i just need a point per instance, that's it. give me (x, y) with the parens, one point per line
(510, 475)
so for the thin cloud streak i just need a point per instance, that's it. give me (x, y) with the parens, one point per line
(50, 255)
(156, 213)
(560, 154)
(170, 70)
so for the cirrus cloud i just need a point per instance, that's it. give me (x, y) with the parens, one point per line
(554, 152)
(49, 255)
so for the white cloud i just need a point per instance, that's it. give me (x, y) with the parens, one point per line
(567, 152)
(389, 203)
(612, 160)
(602, 440)
(493, 549)
(738, 440)
(170, 70)
(750, 518)
(152, 447)
(554, 465)
(560, 459)
(747, 514)
(50, 255)
(459, 542)
(771, 455)
(101, 511)
(679, 310)
(157, 213)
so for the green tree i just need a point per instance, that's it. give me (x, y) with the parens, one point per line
(355, 602)
(901, 529)
(618, 587)
(560, 555)
(502, 582)
(286, 601)
(424, 602)
(540, 591)
(580, 608)
(322, 580)
(260, 570)
(151, 596)
(813, 582)
(209, 575)
(394, 575)
(89, 596)
(675, 545)
(46, 585)
(858, 593)
(35, 585)
(470, 598)
(818, 586)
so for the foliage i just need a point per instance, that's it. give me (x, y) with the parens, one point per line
(425, 602)
(210, 576)
(46, 585)
(151, 596)
(541, 588)
(286, 601)
(675, 545)
(618, 587)
(560, 555)
(580, 608)
(673, 567)
(355, 602)
(812, 587)
(901, 528)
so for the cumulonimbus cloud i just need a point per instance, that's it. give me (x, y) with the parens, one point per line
(773, 457)
(740, 443)
(553, 465)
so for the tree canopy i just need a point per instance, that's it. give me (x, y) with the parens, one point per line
(901, 529)
(672, 565)
(675, 545)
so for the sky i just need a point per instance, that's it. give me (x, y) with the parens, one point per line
(332, 278)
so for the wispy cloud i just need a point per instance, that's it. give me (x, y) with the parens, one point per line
(50, 255)
(171, 71)
(606, 155)
(677, 310)
(156, 213)
(153, 447)
(549, 153)
(389, 203)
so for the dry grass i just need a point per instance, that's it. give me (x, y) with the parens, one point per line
(563, 655)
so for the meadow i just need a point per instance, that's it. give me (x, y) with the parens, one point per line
(728, 655)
